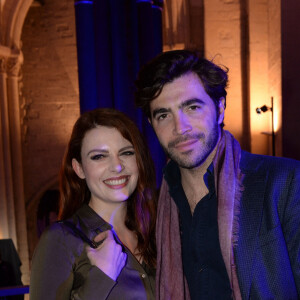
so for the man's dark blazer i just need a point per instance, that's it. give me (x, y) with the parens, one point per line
(267, 255)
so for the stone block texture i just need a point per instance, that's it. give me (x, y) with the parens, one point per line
(49, 98)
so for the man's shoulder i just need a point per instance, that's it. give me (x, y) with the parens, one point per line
(257, 161)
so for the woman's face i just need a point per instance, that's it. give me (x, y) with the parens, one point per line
(108, 164)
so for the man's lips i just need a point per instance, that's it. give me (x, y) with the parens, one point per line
(117, 182)
(186, 144)
(186, 141)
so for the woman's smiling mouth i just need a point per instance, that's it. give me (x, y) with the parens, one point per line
(117, 182)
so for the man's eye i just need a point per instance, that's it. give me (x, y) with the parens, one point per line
(194, 107)
(97, 157)
(161, 117)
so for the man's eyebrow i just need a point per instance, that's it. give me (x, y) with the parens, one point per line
(181, 106)
(159, 111)
(190, 102)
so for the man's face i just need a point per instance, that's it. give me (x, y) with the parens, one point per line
(186, 121)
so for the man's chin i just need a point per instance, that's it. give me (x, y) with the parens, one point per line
(185, 163)
(190, 165)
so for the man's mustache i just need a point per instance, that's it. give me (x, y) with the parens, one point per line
(196, 136)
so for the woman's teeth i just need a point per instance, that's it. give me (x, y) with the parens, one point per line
(115, 181)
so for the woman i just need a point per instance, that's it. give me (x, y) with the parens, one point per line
(104, 247)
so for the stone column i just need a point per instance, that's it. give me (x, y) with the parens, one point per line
(7, 208)
(223, 45)
(176, 24)
(261, 124)
(13, 70)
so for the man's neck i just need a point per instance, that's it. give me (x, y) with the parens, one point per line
(192, 181)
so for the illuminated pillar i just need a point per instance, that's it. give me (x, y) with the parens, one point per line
(222, 42)
(13, 69)
(7, 207)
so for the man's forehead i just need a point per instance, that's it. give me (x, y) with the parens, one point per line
(160, 104)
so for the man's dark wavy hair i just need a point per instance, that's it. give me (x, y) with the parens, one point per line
(170, 65)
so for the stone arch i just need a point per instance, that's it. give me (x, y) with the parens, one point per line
(14, 14)
(13, 218)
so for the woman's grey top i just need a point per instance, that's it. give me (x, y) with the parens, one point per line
(61, 268)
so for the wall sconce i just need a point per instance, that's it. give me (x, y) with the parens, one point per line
(264, 109)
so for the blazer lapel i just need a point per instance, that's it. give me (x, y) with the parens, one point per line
(249, 225)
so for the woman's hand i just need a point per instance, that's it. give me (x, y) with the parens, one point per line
(108, 256)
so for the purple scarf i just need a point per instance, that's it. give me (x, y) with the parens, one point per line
(170, 281)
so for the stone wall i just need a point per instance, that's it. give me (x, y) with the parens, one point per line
(49, 100)
(261, 124)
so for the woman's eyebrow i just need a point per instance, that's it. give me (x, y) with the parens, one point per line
(98, 151)
(130, 147)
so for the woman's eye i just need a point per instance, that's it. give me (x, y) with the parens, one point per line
(97, 157)
(128, 153)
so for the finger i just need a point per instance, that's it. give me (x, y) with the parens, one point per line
(124, 259)
(89, 250)
(101, 236)
(110, 235)
(115, 236)
(118, 248)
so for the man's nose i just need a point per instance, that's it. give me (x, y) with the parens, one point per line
(181, 125)
(116, 164)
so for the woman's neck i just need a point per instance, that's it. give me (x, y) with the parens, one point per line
(114, 214)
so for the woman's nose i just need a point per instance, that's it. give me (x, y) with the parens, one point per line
(116, 165)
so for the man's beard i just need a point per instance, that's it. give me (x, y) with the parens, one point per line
(195, 157)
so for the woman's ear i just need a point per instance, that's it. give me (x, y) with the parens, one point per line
(78, 168)
(221, 110)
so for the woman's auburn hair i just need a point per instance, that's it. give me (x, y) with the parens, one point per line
(141, 205)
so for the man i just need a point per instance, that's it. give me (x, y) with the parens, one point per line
(228, 221)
